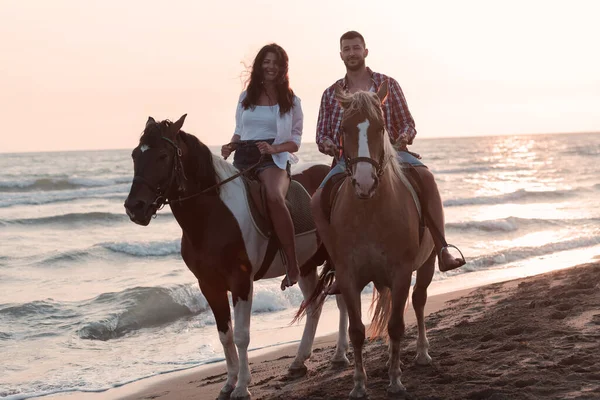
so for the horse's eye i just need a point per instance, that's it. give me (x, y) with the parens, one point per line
(162, 157)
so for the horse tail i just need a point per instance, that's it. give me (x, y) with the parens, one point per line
(381, 308)
(317, 298)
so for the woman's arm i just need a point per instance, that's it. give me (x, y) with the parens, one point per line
(228, 148)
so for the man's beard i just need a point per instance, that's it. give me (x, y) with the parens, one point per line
(355, 67)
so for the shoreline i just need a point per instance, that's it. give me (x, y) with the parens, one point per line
(284, 353)
(204, 381)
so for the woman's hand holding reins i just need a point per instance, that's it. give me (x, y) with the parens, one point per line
(227, 149)
(266, 148)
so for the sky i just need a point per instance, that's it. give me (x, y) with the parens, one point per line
(78, 75)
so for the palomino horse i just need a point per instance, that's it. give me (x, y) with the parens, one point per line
(221, 244)
(376, 238)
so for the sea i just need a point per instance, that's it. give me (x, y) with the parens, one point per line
(90, 301)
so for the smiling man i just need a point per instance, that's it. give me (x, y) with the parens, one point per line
(400, 127)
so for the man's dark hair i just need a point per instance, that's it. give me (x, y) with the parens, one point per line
(352, 35)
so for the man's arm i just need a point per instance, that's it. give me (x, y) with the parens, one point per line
(324, 135)
(403, 125)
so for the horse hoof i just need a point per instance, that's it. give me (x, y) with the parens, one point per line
(225, 394)
(423, 359)
(242, 397)
(396, 391)
(297, 372)
(342, 363)
(358, 394)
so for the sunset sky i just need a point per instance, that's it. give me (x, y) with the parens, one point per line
(86, 74)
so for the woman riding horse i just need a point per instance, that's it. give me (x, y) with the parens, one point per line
(268, 130)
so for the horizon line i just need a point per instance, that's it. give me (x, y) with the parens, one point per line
(312, 142)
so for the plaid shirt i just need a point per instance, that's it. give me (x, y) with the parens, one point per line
(398, 121)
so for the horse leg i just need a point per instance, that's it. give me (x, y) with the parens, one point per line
(419, 298)
(340, 360)
(242, 309)
(351, 296)
(396, 326)
(307, 284)
(219, 304)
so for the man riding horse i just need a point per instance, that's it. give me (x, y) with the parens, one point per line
(401, 128)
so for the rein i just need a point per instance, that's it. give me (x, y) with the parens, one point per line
(177, 173)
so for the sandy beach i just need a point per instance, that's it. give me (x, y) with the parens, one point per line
(531, 338)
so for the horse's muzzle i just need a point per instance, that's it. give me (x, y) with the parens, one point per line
(139, 212)
(365, 192)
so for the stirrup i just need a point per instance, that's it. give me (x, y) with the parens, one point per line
(453, 246)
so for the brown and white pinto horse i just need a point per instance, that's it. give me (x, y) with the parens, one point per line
(220, 243)
(375, 236)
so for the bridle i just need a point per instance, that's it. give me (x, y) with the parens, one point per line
(177, 175)
(379, 165)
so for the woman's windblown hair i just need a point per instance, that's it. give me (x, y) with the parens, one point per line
(255, 83)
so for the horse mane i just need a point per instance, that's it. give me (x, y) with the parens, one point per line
(363, 102)
(223, 169)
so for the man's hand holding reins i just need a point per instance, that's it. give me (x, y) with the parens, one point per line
(329, 147)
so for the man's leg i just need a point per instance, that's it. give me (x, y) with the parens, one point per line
(436, 212)
(321, 220)
(324, 230)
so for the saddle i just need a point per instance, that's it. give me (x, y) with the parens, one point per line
(333, 185)
(297, 201)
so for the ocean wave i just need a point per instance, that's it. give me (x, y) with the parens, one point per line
(471, 169)
(522, 253)
(58, 184)
(116, 314)
(37, 319)
(69, 219)
(105, 192)
(142, 307)
(519, 196)
(66, 257)
(103, 251)
(512, 224)
(28, 309)
(145, 249)
(269, 298)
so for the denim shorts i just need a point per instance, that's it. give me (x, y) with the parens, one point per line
(247, 154)
(403, 158)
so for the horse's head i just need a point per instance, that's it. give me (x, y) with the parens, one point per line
(157, 166)
(364, 138)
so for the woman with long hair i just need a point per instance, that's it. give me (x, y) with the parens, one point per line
(268, 129)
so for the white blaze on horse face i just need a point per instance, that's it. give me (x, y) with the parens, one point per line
(364, 173)
(144, 147)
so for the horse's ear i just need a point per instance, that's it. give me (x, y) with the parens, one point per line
(382, 92)
(341, 96)
(150, 121)
(176, 127)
